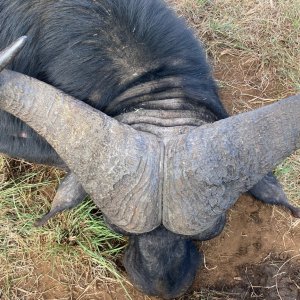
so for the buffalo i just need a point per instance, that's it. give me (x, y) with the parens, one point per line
(119, 94)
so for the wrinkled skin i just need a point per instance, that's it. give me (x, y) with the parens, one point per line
(159, 262)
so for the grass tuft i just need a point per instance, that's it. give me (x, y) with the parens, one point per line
(71, 238)
(288, 172)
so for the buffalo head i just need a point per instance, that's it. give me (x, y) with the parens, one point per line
(163, 192)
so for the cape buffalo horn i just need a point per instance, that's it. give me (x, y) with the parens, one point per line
(207, 169)
(108, 158)
(199, 175)
(8, 54)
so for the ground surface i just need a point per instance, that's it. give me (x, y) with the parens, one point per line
(258, 254)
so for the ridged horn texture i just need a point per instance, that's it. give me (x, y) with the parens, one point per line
(207, 169)
(198, 175)
(118, 166)
(8, 54)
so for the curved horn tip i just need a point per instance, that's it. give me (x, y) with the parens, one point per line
(8, 54)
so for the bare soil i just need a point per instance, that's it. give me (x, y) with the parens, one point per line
(257, 255)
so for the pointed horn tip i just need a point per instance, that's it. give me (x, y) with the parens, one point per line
(20, 42)
(8, 54)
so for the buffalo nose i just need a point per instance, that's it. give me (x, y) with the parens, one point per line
(161, 263)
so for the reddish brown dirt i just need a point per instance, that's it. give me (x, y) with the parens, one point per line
(258, 249)
(243, 85)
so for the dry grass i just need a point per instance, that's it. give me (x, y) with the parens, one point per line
(254, 48)
(77, 243)
(266, 32)
(289, 174)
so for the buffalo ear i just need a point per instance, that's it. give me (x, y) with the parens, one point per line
(70, 193)
(8, 54)
(269, 190)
